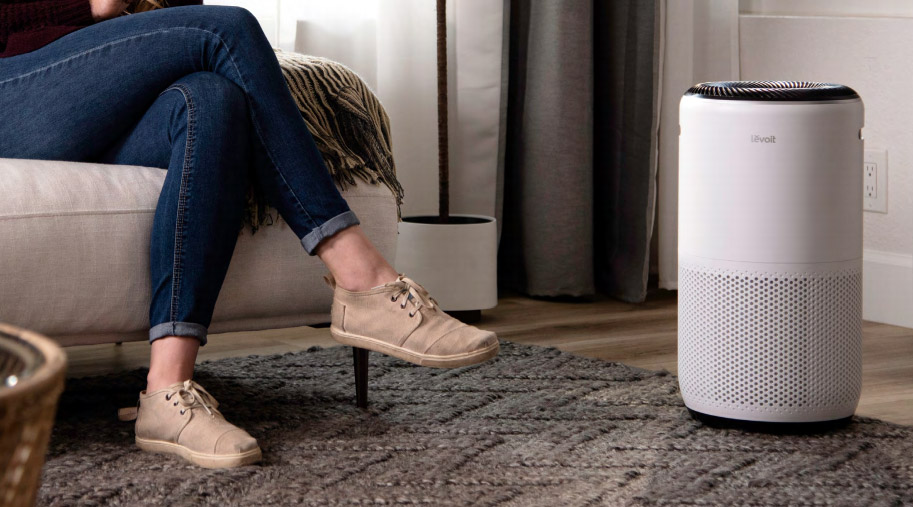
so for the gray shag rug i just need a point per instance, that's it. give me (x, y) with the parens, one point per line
(534, 426)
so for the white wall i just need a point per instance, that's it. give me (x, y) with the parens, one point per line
(867, 47)
(875, 61)
(266, 11)
(883, 8)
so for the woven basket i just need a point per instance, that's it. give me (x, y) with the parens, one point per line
(31, 380)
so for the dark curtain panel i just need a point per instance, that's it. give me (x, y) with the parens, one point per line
(579, 171)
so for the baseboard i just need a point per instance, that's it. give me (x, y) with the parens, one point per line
(887, 288)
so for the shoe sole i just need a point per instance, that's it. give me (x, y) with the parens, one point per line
(201, 459)
(430, 360)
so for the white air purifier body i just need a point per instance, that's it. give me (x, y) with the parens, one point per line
(770, 251)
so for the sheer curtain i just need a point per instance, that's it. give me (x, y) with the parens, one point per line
(700, 42)
(391, 45)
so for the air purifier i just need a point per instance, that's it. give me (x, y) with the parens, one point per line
(770, 253)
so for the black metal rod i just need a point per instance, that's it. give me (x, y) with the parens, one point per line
(442, 138)
(361, 376)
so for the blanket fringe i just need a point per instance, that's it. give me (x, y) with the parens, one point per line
(348, 124)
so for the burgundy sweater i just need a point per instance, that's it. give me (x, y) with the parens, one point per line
(26, 25)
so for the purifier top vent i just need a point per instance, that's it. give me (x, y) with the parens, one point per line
(772, 90)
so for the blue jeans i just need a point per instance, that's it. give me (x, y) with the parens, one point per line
(196, 90)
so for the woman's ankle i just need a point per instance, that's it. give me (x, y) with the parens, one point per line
(354, 261)
(171, 361)
(356, 281)
(157, 383)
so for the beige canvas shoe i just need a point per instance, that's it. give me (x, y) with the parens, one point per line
(401, 319)
(182, 419)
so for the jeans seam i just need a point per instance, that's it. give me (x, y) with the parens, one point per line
(92, 50)
(256, 125)
(177, 268)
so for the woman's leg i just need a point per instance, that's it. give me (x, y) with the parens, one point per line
(199, 129)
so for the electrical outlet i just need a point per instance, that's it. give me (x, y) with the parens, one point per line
(870, 180)
(875, 181)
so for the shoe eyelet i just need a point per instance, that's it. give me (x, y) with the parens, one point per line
(182, 411)
(167, 397)
(411, 314)
(394, 298)
(403, 306)
(175, 404)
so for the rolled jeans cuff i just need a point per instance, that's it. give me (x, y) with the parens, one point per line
(164, 329)
(327, 229)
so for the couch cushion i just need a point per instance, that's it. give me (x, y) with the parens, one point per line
(74, 254)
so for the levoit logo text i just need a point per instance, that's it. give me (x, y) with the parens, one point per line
(755, 138)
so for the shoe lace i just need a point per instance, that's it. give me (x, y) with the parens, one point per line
(192, 395)
(415, 293)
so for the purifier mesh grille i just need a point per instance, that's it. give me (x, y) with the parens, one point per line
(775, 343)
(772, 90)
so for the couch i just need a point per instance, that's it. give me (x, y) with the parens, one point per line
(74, 255)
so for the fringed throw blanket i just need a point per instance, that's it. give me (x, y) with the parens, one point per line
(347, 121)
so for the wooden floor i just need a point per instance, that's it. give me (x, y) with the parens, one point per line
(640, 335)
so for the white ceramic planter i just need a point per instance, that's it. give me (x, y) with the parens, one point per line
(456, 262)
